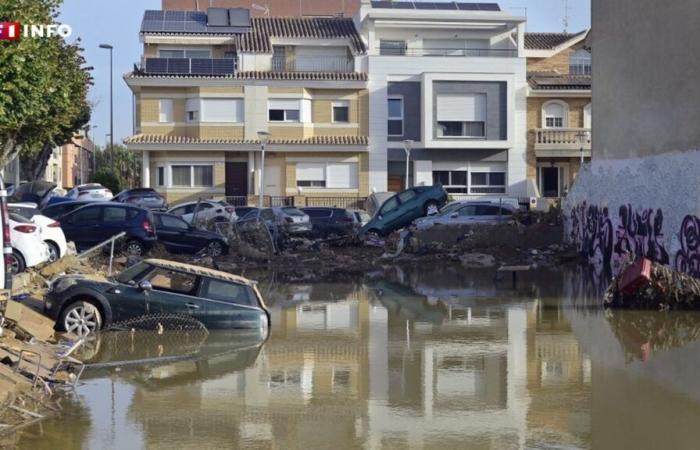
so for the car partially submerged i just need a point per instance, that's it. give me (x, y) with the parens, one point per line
(219, 300)
(469, 213)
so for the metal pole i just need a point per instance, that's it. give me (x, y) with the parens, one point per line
(111, 258)
(262, 176)
(111, 107)
(408, 159)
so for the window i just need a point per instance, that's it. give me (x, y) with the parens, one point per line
(461, 115)
(192, 107)
(160, 176)
(395, 117)
(389, 205)
(284, 111)
(341, 111)
(333, 175)
(580, 63)
(165, 113)
(454, 181)
(488, 182)
(173, 222)
(237, 294)
(554, 114)
(113, 214)
(173, 281)
(192, 175)
(86, 216)
(407, 196)
(221, 110)
(395, 48)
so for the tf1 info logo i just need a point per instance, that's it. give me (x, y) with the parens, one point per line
(13, 31)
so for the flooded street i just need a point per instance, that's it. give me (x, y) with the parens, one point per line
(438, 358)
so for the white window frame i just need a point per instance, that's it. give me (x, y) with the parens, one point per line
(161, 182)
(340, 104)
(389, 117)
(168, 112)
(581, 59)
(565, 114)
(169, 175)
(450, 185)
(354, 184)
(299, 108)
(488, 173)
(239, 117)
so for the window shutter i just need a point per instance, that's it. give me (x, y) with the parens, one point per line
(284, 104)
(305, 111)
(311, 171)
(342, 176)
(192, 104)
(222, 110)
(166, 110)
(461, 108)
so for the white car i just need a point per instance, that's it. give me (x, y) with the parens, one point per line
(49, 229)
(92, 191)
(28, 249)
(208, 209)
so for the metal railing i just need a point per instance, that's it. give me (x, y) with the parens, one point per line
(193, 66)
(337, 202)
(448, 52)
(312, 64)
(563, 137)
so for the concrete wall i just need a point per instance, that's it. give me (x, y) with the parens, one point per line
(645, 93)
(648, 206)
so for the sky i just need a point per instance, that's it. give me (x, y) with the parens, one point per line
(117, 22)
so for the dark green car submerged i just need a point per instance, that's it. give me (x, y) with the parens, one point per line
(219, 300)
(403, 208)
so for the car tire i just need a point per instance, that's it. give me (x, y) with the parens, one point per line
(80, 318)
(215, 248)
(373, 234)
(134, 248)
(430, 206)
(54, 251)
(17, 264)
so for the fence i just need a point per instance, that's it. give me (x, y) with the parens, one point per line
(336, 202)
(300, 202)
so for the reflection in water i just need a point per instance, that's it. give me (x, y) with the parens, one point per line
(437, 358)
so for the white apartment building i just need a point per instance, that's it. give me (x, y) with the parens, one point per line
(451, 78)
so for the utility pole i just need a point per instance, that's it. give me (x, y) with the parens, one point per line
(111, 101)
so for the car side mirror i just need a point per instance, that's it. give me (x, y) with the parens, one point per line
(454, 215)
(145, 285)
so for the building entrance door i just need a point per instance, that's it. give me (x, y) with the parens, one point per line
(236, 179)
(550, 181)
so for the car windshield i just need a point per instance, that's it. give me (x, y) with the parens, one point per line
(389, 205)
(292, 211)
(134, 272)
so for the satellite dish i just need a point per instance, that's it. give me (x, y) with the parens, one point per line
(264, 9)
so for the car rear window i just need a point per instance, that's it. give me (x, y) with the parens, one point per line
(27, 213)
(317, 213)
(224, 291)
(292, 211)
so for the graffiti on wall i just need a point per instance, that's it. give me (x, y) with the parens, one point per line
(638, 233)
(688, 256)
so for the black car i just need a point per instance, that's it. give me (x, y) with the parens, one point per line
(218, 300)
(180, 237)
(331, 221)
(58, 210)
(144, 197)
(97, 222)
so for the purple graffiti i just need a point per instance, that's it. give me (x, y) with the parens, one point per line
(688, 256)
(592, 231)
(640, 234)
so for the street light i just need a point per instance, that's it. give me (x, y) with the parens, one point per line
(264, 136)
(581, 135)
(111, 99)
(407, 144)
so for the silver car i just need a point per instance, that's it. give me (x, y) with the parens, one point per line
(287, 218)
(92, 191)
(469, 213)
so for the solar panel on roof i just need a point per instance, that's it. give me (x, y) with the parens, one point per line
(201, 66)
(217, 17)
(198, 16)
(195, 27)
(223, 66)
(156, 65)
(153, 15)
(239, 17)
(173, 26)
(445, 6)
(175, 15)
(152, 25)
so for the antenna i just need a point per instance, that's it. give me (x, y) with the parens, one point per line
(264, 9)
(565, 19)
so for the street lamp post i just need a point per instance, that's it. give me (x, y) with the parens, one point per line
(581, 135)
(111, 99)
(407, 144)
(264, 136)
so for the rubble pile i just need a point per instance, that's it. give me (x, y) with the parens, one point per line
(663, 289)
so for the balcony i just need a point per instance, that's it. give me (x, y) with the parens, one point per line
(562, 142)
(189, 66)
(450, 52)
(312, 64)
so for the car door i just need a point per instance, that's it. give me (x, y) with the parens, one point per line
(81, 226)
(229, 305)
(114, 220)
(487, 214)
(389, 214)
(463, 216)
(173, 292)
(410, 207)
(173, 233)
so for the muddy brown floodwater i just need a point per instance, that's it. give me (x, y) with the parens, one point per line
(437, 358)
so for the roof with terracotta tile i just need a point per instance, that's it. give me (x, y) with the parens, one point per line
(262, 75)
(257, 40)
(559, 82)
(144, 138)
(548, 41)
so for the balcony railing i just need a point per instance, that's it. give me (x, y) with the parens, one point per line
(192, 66)
(446, 52)
(562, 141)
(312, 64)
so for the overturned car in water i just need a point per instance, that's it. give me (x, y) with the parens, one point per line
(218, 300)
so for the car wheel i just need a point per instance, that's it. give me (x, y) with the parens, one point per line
(17, 264)
(215, 248)
(135, 248)
(430, 208)
(80, 318)
(373, 234)
(54, 252)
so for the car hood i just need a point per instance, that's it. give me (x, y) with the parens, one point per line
(94, 282)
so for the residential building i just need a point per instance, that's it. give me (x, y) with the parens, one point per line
(272, 8)
(639, 197)
(210, 81)
(77, 160)
(558, 109)
(54, 167)
(451, 77)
